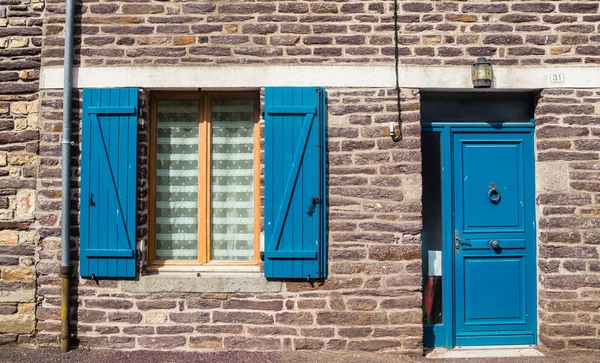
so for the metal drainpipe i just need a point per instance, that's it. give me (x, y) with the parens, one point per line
(65, 259)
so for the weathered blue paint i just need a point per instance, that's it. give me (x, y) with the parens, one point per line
(489, 296)
(108, 183)
(295, 227)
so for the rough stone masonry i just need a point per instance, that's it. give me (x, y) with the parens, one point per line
(432, 32)
(372, 299)
(20, 48)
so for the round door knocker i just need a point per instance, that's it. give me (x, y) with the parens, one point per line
(494, 194)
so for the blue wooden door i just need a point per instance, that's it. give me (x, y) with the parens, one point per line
(494, 237)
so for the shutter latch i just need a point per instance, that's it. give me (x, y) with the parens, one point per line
(311, 209)
(92, 203)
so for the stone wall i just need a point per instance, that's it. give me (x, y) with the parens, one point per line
(20, 42)
(568, 198)
(449, 32)
(371, 300)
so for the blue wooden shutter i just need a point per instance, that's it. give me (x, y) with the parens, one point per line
(295, 197)
(108, 182)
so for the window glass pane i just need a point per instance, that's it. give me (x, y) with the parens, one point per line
(232, 180)
(432, 227)
(177, 180)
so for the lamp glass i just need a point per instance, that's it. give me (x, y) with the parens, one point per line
(481, 73)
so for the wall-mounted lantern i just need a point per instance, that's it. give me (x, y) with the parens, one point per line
(482, 73)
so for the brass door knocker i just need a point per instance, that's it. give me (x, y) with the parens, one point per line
(494, 194)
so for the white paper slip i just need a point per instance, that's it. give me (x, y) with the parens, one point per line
(435, 263)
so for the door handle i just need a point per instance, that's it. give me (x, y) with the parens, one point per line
(495, 244)
(459, 241)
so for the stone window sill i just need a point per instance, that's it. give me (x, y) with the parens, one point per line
(205, 283)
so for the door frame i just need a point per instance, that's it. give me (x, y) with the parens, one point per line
(444, 335)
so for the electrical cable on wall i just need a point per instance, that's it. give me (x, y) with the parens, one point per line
(392, 128)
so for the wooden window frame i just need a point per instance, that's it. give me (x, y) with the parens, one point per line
(203, 263)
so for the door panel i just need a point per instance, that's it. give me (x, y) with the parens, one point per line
(484, 163)
(504, 302)
(494, 238)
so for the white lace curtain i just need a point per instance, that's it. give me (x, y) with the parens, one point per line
(232, 180)
(177, 180)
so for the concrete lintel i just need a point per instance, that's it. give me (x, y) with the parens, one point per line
(256, 76)
(204, 284)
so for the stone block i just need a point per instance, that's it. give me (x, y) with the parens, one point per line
(37, 5)
(245, 343)
(27, 308)
(29, 75)
(552, 176)
(156, 304)
(27, 237)
(242, 317)
(18, 42)
(253, 305)
(120, 342)
(6, 215)
(174, 329)
(156, 317)
(138, 330)
(7, 309)
(16, 296)
(25, 204)
(32, 121)
(17, 323)
(20, 124)
(14, 172)
(21, 107)
(161, 342)
(109, 304)
(190, 317)
(351, 318)
(412, 187)
(9, 237)
(18, 273)
(374, 345)
(205, 342)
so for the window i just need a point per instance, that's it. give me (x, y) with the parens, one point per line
(204, 180)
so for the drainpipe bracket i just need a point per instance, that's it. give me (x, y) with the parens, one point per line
(65, 271)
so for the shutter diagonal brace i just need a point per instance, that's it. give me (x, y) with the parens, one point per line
(291, 182)
(112, 177)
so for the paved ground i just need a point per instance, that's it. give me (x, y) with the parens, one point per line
(13, 354)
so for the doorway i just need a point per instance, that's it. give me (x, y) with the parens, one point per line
(479, 262)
